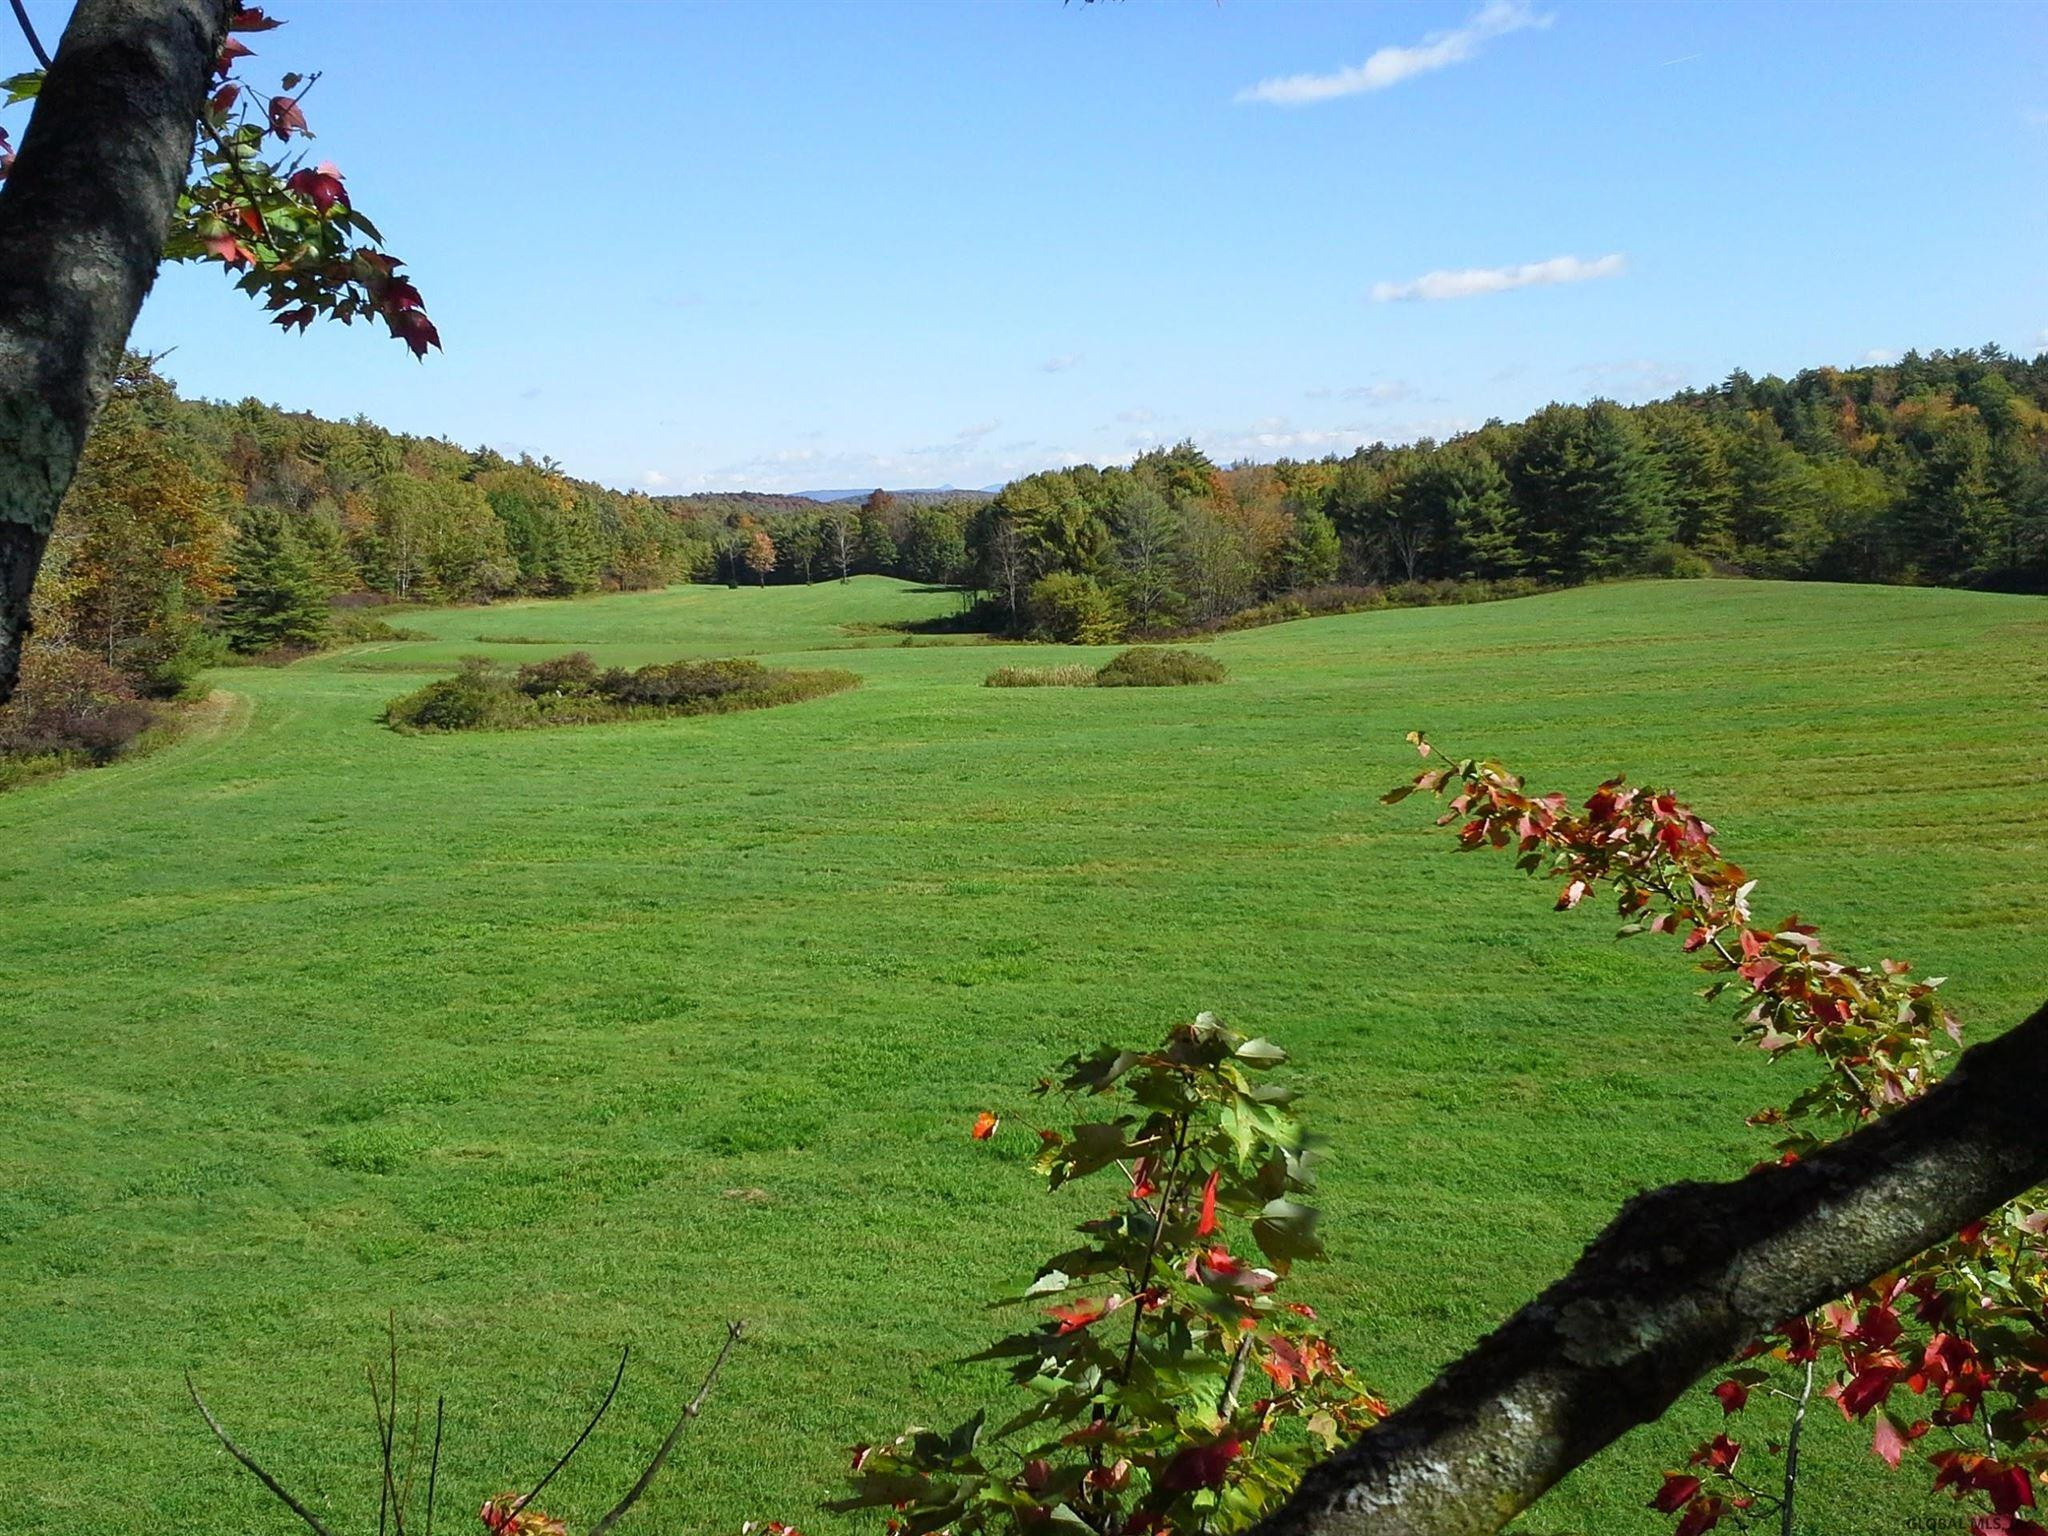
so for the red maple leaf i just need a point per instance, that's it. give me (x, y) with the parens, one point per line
(1199, 1466)
(1679, 1490)
(1719, 1453)
(415, 330)
(1867, 1390)
(1207, 1224)
(322, 188)
(285, 116)
(985, 1125)
(1079, 1315)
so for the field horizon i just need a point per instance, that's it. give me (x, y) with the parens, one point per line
(544, 1042)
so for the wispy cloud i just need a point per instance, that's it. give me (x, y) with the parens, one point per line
(1386, 392)
(1879, 355)
(653, 479)
(1468, 282)
(1137, 416)
(1638, 378)
(1276, 436)
(976, 432)
(1392, 65)
(1061, 363)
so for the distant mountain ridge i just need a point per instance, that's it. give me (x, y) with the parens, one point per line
(927, 493)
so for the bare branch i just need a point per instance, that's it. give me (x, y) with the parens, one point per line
(690, 1411)
(617, 1377)
(434, 1463)
(249, 1461)
(28, 30)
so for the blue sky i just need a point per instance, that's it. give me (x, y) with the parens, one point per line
(791, 246)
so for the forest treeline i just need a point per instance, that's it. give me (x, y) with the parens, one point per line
(1933, 469)
(197, 527)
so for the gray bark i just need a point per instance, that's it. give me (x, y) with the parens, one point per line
(83, 216)
(1681, 1280)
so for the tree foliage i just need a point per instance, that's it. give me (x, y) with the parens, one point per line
(1169, 1385)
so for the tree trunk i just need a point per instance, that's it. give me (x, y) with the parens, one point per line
(1682, 1279)
(83, 216)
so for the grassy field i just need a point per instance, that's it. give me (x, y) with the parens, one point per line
(554, 1040)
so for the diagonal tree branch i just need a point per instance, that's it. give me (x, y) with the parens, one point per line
(249, 1461)
(690, 1411)
(1681, 1279)
(563, 1460)
(28, 30)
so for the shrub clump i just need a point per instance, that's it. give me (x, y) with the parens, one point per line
(1072, 676)
(570, 690)
(71, 710)
(684, 683)
(573, 674)
(1148, 666)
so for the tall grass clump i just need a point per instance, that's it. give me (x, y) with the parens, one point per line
(1073, 675)
(570, 690)
(1143, 666)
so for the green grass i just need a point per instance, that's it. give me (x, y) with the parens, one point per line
(554, 1040)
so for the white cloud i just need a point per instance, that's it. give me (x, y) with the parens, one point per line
(1879, 355)
(976, 432)
(653, 479)
(1467, 282)
(1392, 65)
(1061, 363)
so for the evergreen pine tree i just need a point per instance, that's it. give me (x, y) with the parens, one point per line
(1625, 514)
(278, 597)
(1482, 514)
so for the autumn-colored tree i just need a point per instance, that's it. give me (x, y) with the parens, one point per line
(759, 553)
(144, 547)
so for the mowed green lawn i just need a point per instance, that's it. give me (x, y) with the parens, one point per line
(551, 1041)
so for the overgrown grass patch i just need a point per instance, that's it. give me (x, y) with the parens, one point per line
(1142, 666)
(1069, 675)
